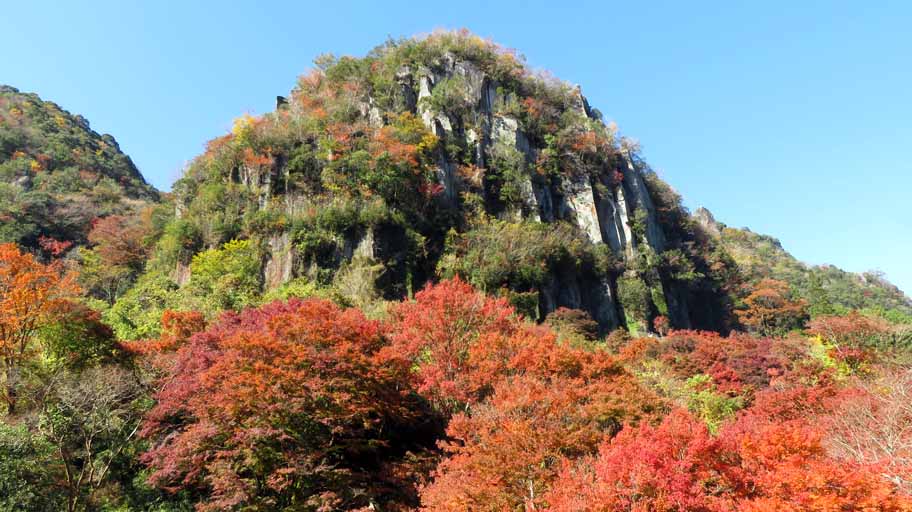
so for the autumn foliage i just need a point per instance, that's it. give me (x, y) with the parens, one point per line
(283, 404)
(519, 398)
(768, 308)
(678, 466)
(119, 240)
(857, 340)
(453, 402)
(451, 334)
(869, 424)
(476, 393)
(31, 294)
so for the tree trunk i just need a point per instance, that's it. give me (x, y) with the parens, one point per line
(12, 375)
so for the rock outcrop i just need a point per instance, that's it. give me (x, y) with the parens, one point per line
(499, 160)
(603, 210)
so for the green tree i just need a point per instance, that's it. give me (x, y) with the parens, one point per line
(138, 313)
(225, 278)
(27, 482)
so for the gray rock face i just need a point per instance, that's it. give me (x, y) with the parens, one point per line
(566, 289)
(639, 199)
(371, 113)
(259, 179)
(706, 219)
(440, 125)
(365, 247)
(678, 312)
(280, 261)
(580, 203)
(181, 274)
(505, 130)
(615, 233)
(606, 208)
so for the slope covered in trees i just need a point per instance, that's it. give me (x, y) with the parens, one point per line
(826, 289)
(432, 280)
(57, 175)
(443, 156)
(437, 157)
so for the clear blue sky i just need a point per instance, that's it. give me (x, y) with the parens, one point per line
(792, 118)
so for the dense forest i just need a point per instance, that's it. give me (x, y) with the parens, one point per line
(431, 279)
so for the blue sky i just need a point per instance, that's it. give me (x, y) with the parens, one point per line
(791, 118)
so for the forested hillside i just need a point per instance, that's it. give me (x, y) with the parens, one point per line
(57, 175)
(429, 159)
(432, 280)
(827, 289)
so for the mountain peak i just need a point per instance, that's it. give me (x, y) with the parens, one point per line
(56, 174)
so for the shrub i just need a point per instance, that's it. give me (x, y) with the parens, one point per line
(26, 482)
(137, 314)
(573, 322)
(225, 278)
(635, 299)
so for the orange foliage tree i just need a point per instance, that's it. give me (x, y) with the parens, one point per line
(442, 335)
(764, 466)
(665, 468)
(769, 310)
(503, 454)
(281, 406)
(519, 396)
(31, 294)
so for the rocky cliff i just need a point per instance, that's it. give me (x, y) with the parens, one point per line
(446, 155)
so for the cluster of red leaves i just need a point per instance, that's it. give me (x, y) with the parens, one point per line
(535, 107)
(429, 190)
(854, 337)
(737, 363)
(542, 113)
(503, 453)
(450, 333)
(304, 401)
(286, 403)
(585, 142)
(750, 466)
(661, 325)
(307, 404)
(852, 329)
(344, 134)
(53, 246)
(787, 402)
(386, 142)
(120, 241)
(519, 398)
(253, 159)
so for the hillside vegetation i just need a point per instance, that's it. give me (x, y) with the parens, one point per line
(429, 280)
(827, 289)
(57, 175)
(432, 158)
